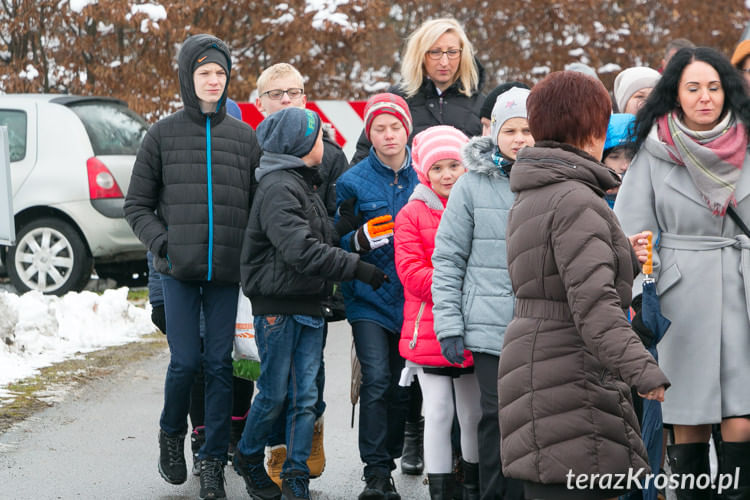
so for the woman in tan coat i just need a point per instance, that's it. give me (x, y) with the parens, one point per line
(570, 356)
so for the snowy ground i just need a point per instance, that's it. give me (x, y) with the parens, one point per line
(39, 330)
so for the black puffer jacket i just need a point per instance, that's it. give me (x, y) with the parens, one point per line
(189, 194)
(428, 108)
(288, 257)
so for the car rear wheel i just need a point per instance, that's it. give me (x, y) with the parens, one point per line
(49, 256)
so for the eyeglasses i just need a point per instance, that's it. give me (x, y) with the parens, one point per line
(437, 54)
(276, 94)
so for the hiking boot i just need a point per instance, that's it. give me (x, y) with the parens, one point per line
(316, 462)
(412, 461)
(212, 479)
(257, 482)
(172, 466)
(295, 488)
(275, 462)
(379, 487)
(197, 438)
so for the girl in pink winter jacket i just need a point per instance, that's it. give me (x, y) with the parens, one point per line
(441, 369)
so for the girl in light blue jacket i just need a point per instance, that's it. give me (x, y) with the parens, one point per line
(471, 287)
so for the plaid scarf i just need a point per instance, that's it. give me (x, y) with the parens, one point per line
(713, 158)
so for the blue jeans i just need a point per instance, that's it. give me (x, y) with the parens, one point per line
(383, 403)
(289, 348)
(279, 428)
(183, 302)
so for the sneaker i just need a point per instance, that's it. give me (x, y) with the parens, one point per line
(172, 466)
(295, 488)
(212, 479)
(275, 462)
(197, 438)
(379, 488)
(316, 462)
(257, 482)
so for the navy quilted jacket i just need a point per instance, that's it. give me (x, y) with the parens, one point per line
(379, 191)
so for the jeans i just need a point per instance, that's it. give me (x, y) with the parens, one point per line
(279, 427)
(183, 301)
(383, 403)
(492, 484)
(289, 349)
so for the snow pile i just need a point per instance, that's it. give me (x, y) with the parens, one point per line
(39, 330)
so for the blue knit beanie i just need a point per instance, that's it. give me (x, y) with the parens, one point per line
(291, 131)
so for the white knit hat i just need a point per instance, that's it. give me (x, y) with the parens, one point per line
(630, 81)
(509, 104)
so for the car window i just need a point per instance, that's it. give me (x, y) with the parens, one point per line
(15, 120)
(113, 128)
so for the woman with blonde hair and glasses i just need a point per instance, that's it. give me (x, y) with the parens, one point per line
(440, 80)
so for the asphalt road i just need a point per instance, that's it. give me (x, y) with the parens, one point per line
(100, 441)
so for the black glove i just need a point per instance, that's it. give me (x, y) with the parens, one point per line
(348, 220)
(370, 274)
(643, 332)
(452, 349)
(159, 318)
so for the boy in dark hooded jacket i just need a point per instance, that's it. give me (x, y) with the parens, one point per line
(188, 202)
(288, 264)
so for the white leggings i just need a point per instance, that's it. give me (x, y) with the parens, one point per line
(437, 392)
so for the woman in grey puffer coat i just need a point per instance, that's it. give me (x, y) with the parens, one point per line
(471, 287)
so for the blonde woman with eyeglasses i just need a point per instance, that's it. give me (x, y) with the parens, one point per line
(441, 81)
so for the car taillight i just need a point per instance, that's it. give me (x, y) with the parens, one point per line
(102, 183)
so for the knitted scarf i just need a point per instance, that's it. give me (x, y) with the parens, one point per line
(713, 158)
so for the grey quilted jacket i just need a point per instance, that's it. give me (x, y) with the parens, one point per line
(470, 286)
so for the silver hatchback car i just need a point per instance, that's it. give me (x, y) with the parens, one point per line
(71, 159)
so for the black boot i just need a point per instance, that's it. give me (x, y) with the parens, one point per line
(441, 486)
(412, 461)
(732, 456)
(691, 458)
(471, 480)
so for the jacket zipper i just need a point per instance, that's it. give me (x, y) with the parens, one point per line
(413, 342)
(209, 184)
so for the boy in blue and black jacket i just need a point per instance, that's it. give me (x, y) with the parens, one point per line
(380, 185)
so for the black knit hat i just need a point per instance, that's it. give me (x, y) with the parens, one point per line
(211, 55)
(489, 102)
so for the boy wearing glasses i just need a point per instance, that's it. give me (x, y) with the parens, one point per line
(281, 86)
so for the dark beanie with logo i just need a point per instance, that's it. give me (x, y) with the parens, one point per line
(211, 55)
(291, 131)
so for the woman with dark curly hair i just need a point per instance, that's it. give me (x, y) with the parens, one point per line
(690, 173)
(570, 356)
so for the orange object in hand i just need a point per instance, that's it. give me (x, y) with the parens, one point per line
(378, 227)
(648, 266)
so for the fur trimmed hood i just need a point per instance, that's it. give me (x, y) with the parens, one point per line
(477, 157)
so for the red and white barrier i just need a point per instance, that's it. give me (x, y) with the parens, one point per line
(346, 118)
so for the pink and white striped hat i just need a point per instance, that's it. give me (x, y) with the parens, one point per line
(434, 144)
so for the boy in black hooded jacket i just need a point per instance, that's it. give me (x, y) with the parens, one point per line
(288, 264)
(188, 202)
